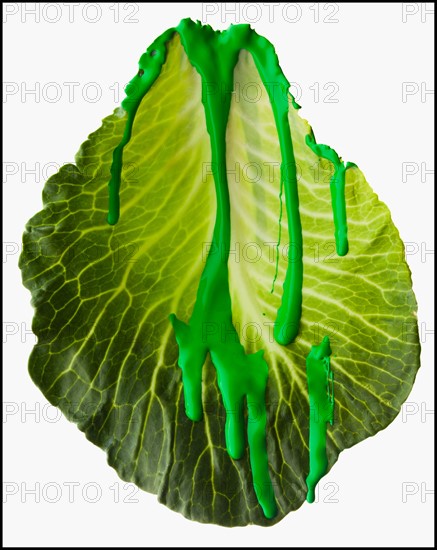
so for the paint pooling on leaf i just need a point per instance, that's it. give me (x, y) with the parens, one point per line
(215, 54)
(111, 313)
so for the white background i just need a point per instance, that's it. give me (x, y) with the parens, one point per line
(369, 53)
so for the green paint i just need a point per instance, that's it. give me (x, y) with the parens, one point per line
(281, 191)
(320, 379)
(294, 103)
(241, 377)
(337, 186)
(199, 42)
(210, 329)
(150, 65)
(288, 318)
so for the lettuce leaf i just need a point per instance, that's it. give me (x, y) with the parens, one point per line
(106, 353)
